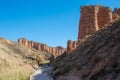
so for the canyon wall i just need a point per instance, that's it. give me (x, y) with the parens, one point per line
(92, 19)
(55, 51)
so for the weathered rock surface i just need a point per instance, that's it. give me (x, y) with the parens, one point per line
(71, 45)
(55, 51)
(92, 19)
(117, 11)
(96, 58)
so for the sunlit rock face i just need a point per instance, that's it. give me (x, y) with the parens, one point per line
(92, 19)
(55, 51)
(71, 45)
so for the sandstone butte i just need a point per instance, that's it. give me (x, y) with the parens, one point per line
(92, 19)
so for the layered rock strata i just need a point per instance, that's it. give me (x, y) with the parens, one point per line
(55, 51)
(92, 19)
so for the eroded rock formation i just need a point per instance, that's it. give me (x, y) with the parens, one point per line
(71, 45)
(97, 58)
(56, 51)
(92, 19)
(117, 11)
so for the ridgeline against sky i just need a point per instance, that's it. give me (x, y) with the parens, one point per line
(48, 21)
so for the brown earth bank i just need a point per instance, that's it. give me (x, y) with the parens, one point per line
(96, 58)
(17, 61)
(14, 49)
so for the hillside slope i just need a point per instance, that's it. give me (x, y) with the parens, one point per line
(97, 58)
(16, 61)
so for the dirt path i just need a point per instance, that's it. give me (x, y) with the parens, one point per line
(42, 73)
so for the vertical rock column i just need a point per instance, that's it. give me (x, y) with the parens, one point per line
(71, 45)
(24, 42)
(104, 16)
(88, 21)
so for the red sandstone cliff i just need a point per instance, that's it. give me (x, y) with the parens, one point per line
(92, 19)
(71, 45)
(55, 51)
(96, 58)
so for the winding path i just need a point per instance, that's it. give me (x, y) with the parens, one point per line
(42, 73)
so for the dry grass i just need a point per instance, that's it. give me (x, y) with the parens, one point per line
(16, 60)
(12, 67)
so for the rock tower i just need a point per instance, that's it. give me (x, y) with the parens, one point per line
(92, 19)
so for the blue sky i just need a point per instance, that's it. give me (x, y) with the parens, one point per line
(48, 21)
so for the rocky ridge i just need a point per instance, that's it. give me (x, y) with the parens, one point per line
(55, 51)
(96, 58)
(92, 19)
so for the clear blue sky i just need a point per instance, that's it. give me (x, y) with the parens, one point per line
(48, 21)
